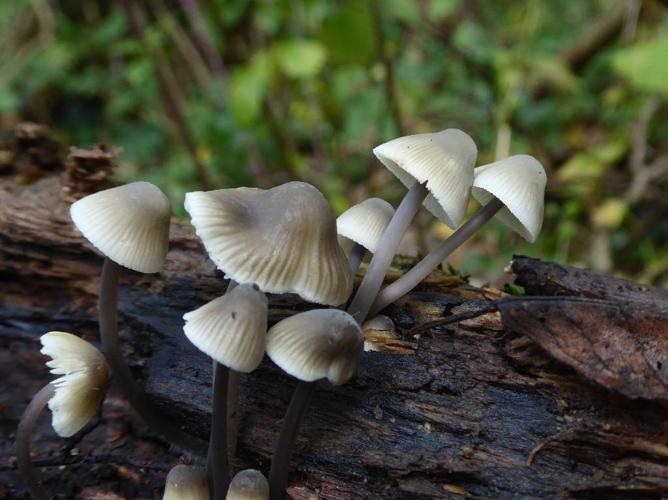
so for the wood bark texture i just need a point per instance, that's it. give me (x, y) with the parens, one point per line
(467, 410)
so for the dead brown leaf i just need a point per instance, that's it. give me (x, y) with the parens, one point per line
(623, 347)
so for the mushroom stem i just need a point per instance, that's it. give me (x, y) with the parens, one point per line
(222, 412)
(387, 247)
(280, 462)
(108, 309)
(23, 433)
(422, 269)
(355, 257)
(218, 469)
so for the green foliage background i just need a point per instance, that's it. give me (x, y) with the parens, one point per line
(258, 92)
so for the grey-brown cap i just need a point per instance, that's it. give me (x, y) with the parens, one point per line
(249, 484)
(282, 239)
(365, 222)
(519, 182)
(316, 344)
(129, 224)
(186, 482)
(444, 160)
(231, 329)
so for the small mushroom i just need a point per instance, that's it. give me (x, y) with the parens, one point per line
(232, 330)
(364, 224)
(186, 482)
(249, 484)
(73, 398)
(513, 188)
(317, 344)
(441, 164)
(130, 225)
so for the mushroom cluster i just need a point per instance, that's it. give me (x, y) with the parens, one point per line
(274, 241)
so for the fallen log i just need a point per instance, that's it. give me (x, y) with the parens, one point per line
(473, 410)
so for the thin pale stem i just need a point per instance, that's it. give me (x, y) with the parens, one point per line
(23, 434)
(218, 469)
(108, 311)
(355, 258)
(422, 269)
(280, 462)
(380, 263)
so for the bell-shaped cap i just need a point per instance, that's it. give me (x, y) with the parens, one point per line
(231, 329)
(129, 224)
(444, 160)
(186, 482)
(83, 383)
(282, 239)
(519, 182)
(249, 484)
(365, 222)
(321, 343)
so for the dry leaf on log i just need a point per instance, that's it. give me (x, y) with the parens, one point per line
(623, 347)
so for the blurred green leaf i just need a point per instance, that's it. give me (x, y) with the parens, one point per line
(300, 58)
(248, 87)
(348, 32)
(645, 65)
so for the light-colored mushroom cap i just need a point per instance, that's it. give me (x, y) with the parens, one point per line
(444, 160)
(231, 329)
(129, 224)
(249, 484)
(80, 389)
(282, 239)
(519, 182)
(365, 222)
(322, 343)
(186, 482)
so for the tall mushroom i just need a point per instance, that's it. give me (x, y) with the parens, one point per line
(282, 239)
(317, 344)
(249, 484)
(73, 398)
(364, 224)
(129, 225)
(230, 329)
(438, 169)
(513, 188)
(186, 482)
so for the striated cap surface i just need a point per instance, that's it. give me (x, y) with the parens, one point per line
(519, 182)
(186, 482)
(322, 343)
(231, 329)
(365, 222)
(84, 379)
(282, 239)
(444, 160)
(249, 484)
(129, 224)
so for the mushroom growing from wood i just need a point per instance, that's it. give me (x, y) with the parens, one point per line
(186, 482)
(317, 344)
(130, 225)
(513, 188)
(232, 330)
(438, 169)
(364, 224)
(282, 239)
(249, 484)
(73, 398)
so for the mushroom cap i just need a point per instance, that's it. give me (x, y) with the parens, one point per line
(365, 222)
(444, 160)
(231, 329)
(80, 389)
(282, 239)
(186, 482)
(249, 484)
(129, 224)
(321, 343)
(519, 182)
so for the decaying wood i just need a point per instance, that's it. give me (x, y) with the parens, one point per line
(462, 415)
